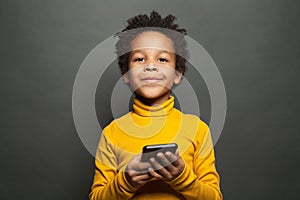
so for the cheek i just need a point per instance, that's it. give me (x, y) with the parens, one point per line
(133, 76)
(134, 71)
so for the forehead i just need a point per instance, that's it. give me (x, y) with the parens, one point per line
(152, 40)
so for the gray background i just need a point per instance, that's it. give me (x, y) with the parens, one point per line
(254, 43)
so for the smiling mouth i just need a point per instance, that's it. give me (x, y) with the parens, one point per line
(151, 80)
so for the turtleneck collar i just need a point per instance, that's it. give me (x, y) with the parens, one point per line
(163, 109)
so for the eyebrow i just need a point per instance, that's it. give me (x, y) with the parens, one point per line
(159, 50)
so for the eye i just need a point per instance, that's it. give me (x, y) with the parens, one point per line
(162, 60)
(138, 59)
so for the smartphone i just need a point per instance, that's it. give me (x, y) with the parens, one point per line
(150, 151)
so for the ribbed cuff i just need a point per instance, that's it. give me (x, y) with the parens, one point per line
(122, 181)
(186, 177)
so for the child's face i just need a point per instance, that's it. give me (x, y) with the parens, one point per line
(152, 66)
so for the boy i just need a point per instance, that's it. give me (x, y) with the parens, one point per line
(151, 68)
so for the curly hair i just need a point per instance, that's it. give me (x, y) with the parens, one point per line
(143, 23)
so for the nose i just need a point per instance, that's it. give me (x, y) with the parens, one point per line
(150, 68)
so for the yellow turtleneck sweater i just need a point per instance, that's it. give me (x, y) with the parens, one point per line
(126, 136)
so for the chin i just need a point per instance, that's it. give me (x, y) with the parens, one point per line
(153, 95)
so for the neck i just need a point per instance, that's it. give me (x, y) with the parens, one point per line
(154, 101)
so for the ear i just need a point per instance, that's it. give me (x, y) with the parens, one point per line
(178, 76)
(125, 78)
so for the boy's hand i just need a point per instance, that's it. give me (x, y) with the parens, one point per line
(168, 167)
(136, 172)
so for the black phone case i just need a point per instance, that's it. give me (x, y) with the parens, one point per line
(150, 151)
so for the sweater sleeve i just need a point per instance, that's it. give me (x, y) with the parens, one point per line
(109, 183)
(202, 180)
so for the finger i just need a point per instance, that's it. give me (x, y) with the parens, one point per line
(155, 174)
(175, 159)
(142, 179)
(155, 164)
(163, 171)
(139, 175)
(167, 163)
(142, 166)
(133, 173)
(138, 165)
(171, 157)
